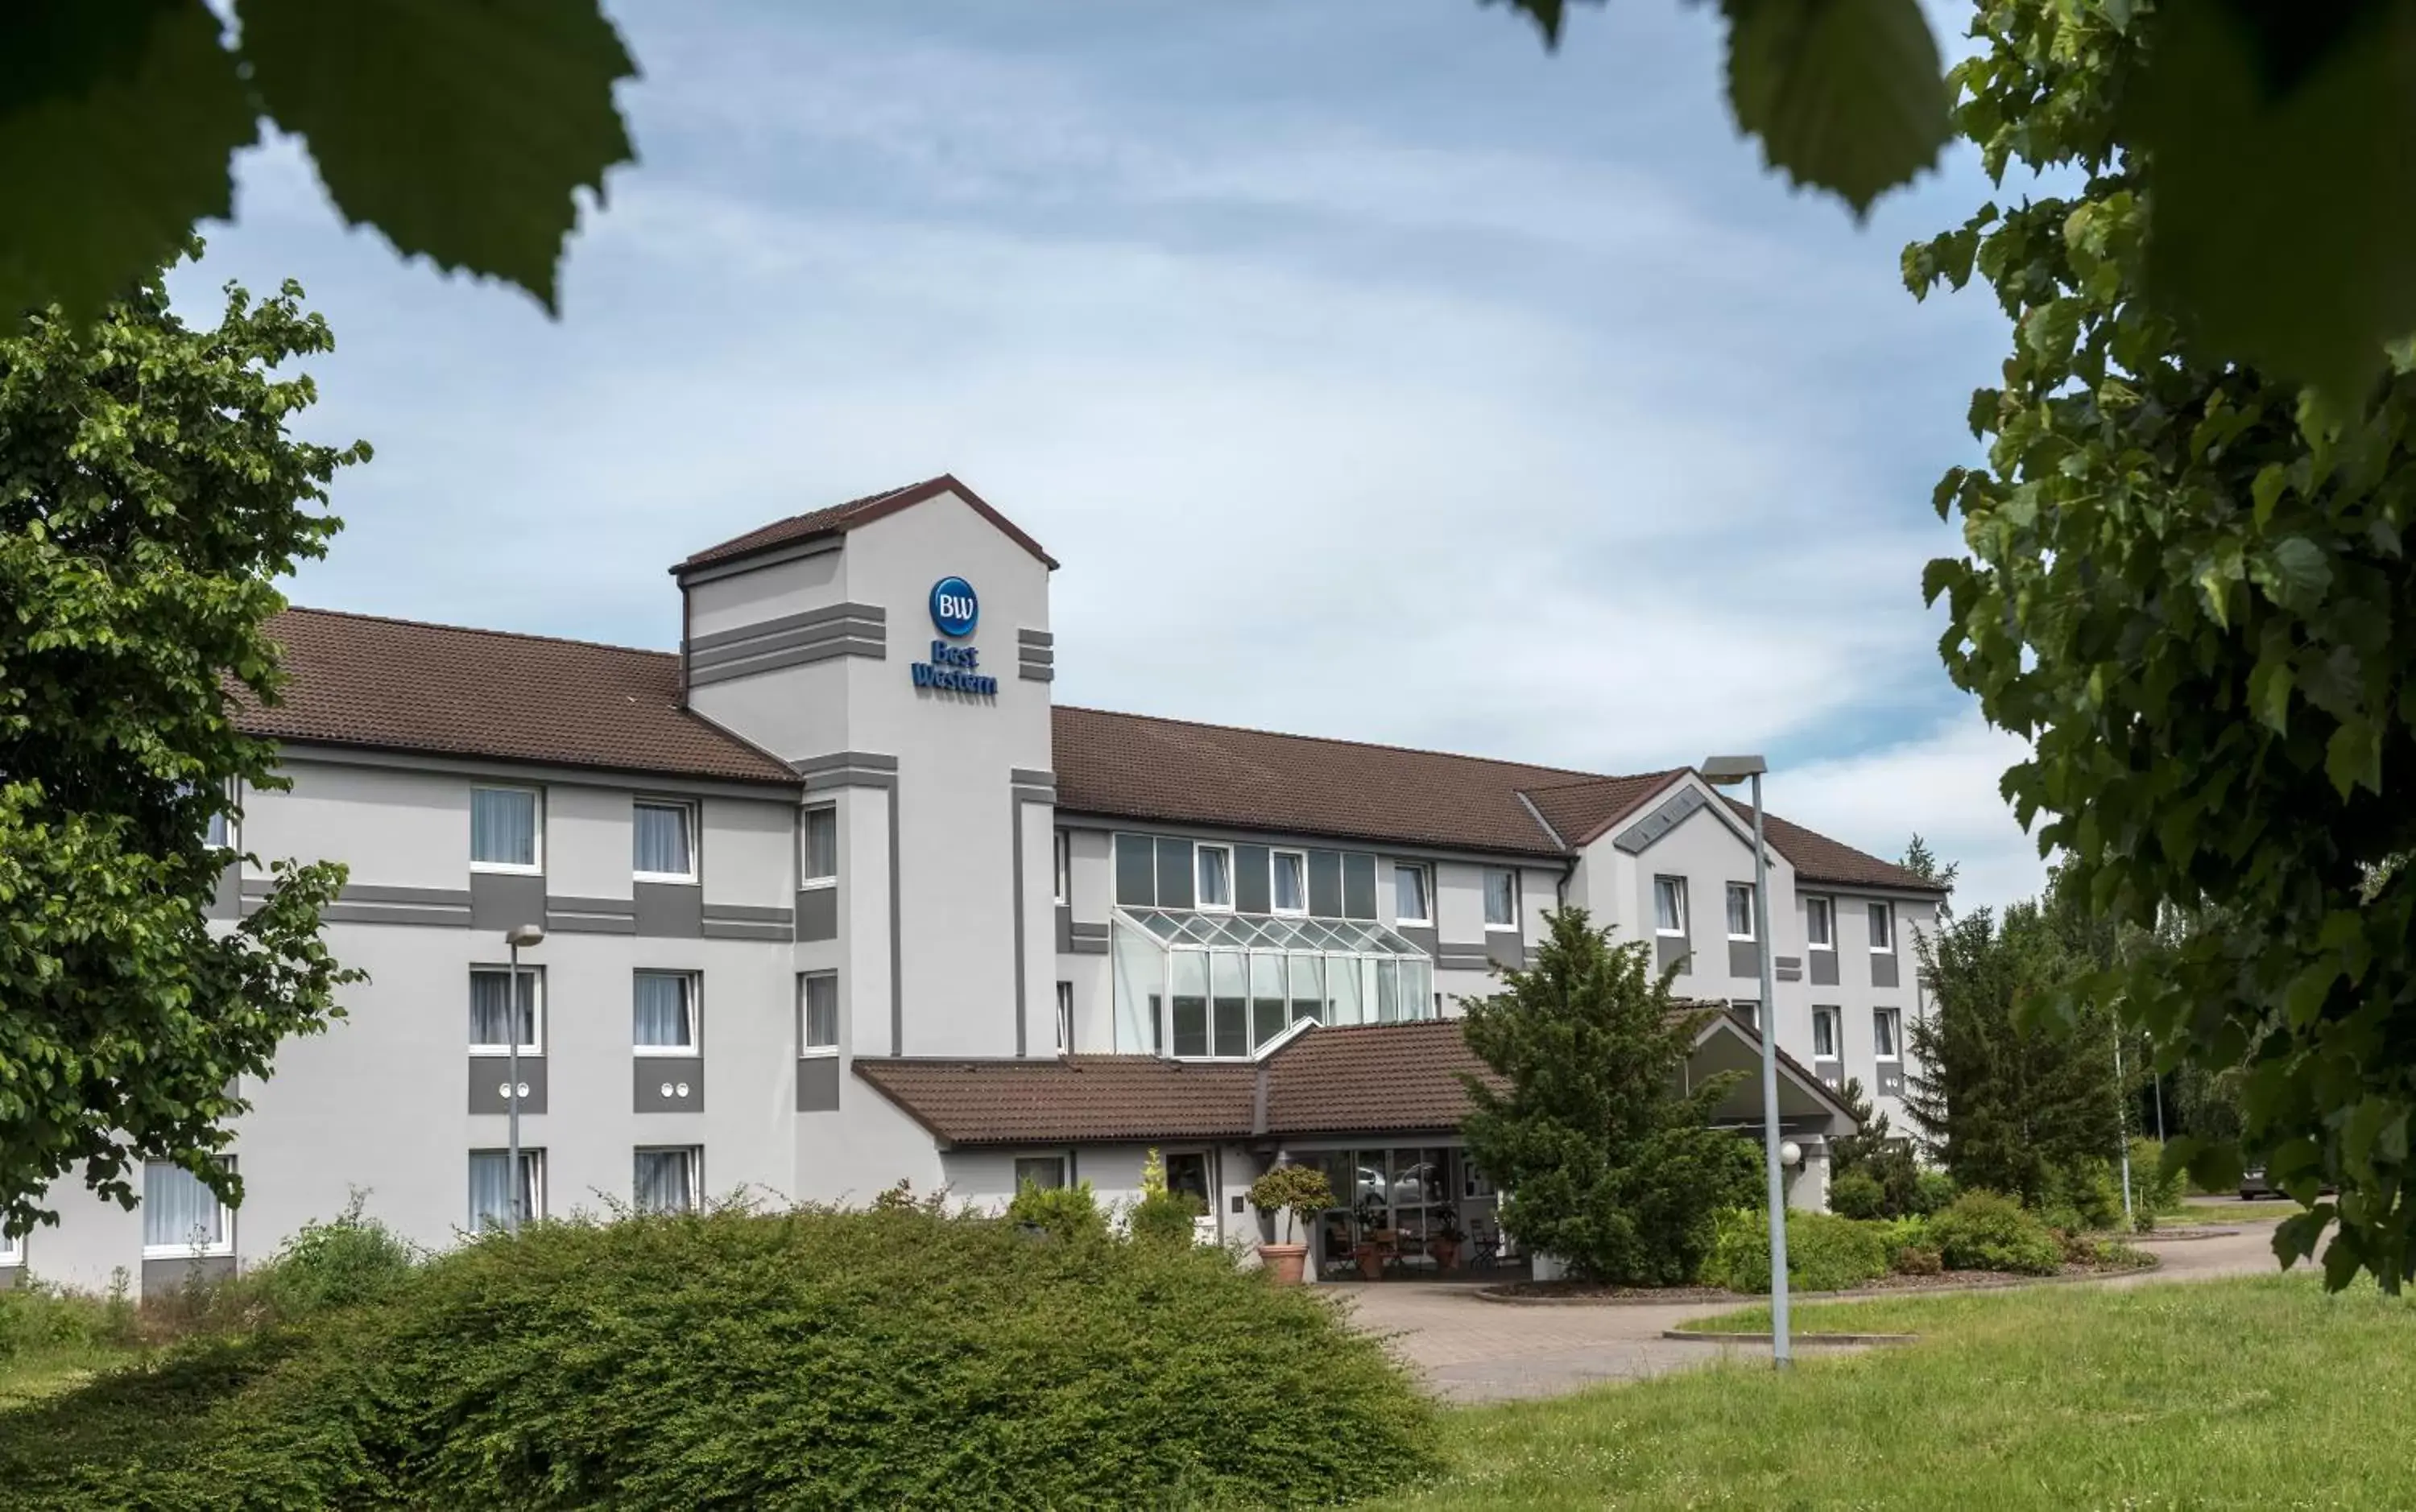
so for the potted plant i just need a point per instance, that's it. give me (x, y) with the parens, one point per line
(1370, 1254)
(1447, 1236)
(1298, 1193)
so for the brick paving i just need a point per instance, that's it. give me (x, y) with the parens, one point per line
(1469, 1349)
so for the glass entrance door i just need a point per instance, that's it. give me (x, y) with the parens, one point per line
(1397, 1200)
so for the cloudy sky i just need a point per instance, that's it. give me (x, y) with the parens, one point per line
(1372, 372)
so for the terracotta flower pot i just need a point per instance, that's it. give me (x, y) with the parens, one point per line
(1372, 1261)
(1446, 1254)
(1283, 1262)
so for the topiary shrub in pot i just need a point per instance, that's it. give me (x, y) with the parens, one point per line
(1294, 1193)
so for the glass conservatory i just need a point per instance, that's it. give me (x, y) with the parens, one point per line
(1211, 985)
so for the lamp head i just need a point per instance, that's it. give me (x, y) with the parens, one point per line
(1722, 770)
(524, 934)
(1791, 1155)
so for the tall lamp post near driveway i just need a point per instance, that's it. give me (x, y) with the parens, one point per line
(1724, 771)
(514, 937)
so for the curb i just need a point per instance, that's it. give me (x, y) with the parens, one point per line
(1869, 1294)
(2181, 1236)
(1704, 1336)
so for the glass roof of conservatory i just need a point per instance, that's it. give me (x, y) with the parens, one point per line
(1246, 931)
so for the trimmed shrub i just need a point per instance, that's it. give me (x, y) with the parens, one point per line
(1824, 1253)
(895, 1358)
(1933, 1191)
(1983, 1231)
(1298, 1193)
(2156, 1189)
(1858, 1194)
(1165, 1217)
(340, 1264)
(1061, 1212)
(1916, 1260)
(2084, 1196)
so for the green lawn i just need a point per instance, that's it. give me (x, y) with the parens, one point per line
(2258, 1393)
(2227, 1213)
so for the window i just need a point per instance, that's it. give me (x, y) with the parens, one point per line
(820, 843)
(1883, 929)
(1816, 929)
(1064, 866)
(1410, 894)
(1215, 877)
(1290, 892)
(1046, 1172)
(1885, 1025)
(1824, 1034)
(665, 842)
(491, 1009)
(818, 1012)
(491, 1189)
(180, 1215)
(1669, 906)
(1501, 898)
(1064, 1018)
(1740, 911)
(504, 829)
(12, 1250)
(1748, 1012)
(667, 1180)
(663, 1014)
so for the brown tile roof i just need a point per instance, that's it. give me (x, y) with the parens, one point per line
(1375, 1077)
(1072, 1099)
(840, 518)
(1580, 810)
(402, 686)
(1819, 859)
(1136, 767)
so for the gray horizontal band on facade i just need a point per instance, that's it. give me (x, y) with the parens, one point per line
(873, 613)
(1081, 931)
(1081, 945)
(1034, 638)
(1033, 795)
(749, 913)
(847, 768)
(772, 557)
(762, 790)
(1036, 674)
(1036, 656)
(602, 907)
(844, 627)
(721, 929)
(590, 923)
(870, 760)
(821, 651)
(394, 913)
(1789, 974)
(1445, 961)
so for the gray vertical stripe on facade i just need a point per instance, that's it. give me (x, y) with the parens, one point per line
(1015, 801)
(1506, 949)
(1889, 1076)
(1664, 819)
(1744, 959)
(868, 768)
(817, 1083)
(818, 914)
(1824, 969)
(1669, 947)
(226, 902)
(1358, 885)
(505, 900)
(670, 910)
(1064, 926)
(489, 1077)
(653, 1073)
(897, 949)
(1252, 886)
(1325, 884)
(162, 1277)
(1883, 972)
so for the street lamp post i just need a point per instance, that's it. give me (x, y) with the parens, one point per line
(514, 937)
(1724, 771)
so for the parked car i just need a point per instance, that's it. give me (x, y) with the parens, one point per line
(2253, 1184)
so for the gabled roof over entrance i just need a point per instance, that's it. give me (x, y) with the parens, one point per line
(838, 519)
(1371, 1079)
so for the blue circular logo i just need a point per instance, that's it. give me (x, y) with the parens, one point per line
(954, 607)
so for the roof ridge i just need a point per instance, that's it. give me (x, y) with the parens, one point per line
(861, 501)
(1607, 777)
(1363, 745)
(477, 630)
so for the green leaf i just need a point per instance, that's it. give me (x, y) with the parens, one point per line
(117, 121)
(2285, 218)
(2298, 572)
(2353, 757)
(2269, 694)
(1845, 94)
(1550, 16)
(2267, 491)
(462, 131)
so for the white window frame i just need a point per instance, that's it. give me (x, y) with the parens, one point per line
(536, 1007)
(1747, 1009)
(1752, 911)
(692, 1154)
(1064, 1171)
(1485, 900)
(1893, 1018)
(1426, 892)
(1836, 1019)
(691, 1004)
(532, 1157)
(12, 1250)
(223, 1245)
(1882, 916)
(1199, 894)
(693, 837)
(1274, 863)
(812, 1052)
(1062, 860)
(1064, 1018)
(805, 829)
(537, 840)
(1824, 909)
(229, 845)
(1678, 888)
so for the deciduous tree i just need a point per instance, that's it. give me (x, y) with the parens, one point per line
(151, 491)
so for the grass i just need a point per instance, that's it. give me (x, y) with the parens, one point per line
(2261, 1393)
(2227, 1213)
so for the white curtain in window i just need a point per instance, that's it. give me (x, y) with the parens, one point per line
(1139, 982)
(502, 826)
(822, 1011)
(1883, 1032)
(1740, 910)
(1417, 989)
(822, 843)
(491, 1013)
(662, 1011)
(661, 832)
(1824, 1032)
(1215, 877)
(1291, 884)
(1816, 920)
(491, 1190)
(1670, 904)
(666, 1181)
(1882, 936)
(1502, 898)
(178, 1212)
(1410, 893)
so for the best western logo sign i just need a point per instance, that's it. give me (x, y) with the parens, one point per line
(956, 608)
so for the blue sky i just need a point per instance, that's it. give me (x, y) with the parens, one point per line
(1372, 372)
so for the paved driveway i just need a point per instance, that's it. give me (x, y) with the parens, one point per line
(1469, 1350)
